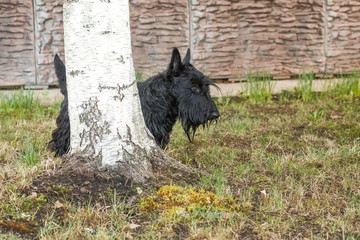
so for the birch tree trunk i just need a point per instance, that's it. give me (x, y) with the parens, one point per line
(104, 107)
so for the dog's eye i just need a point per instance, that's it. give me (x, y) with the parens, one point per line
(195, 89)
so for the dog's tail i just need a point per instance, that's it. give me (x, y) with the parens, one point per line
(60, 74)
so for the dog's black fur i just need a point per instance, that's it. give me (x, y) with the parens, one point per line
(60, 142)
(180, 92)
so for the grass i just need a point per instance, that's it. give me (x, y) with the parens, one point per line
(348, 85)
(19, 101)
(258, 87)
(281, 169)
(304, 89)
(139, 75)
(30, 154)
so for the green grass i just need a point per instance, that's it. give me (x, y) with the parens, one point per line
(348, 85)
(258, 86)
(304, 154)
(139, 75)
(30, 155)
(304, 88)
(18, 100)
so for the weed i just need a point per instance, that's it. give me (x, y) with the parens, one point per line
(18, 100)
(33, 204)
(30, 155)
(139, 75)
(258, 87)
(304, 88)
(20, 103)
(316, 115)
(224, 100)
(61, 190)
(347, 85)
(285, 96)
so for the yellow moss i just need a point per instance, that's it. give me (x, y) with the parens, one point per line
(171, 198)
(170, 194)
(174, 213)
(148, 204)
(204, 198)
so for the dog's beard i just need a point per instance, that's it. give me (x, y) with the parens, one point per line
(190, 128)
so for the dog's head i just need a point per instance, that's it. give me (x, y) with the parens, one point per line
(192, 91)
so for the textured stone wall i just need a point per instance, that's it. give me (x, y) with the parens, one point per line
(343, 35)
(278, 36)
(226, 36)
(156, 27)
(16, 42)
(49, 38)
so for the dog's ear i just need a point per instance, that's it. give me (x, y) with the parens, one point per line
(175, 63)
(60, 73)
(186, 60)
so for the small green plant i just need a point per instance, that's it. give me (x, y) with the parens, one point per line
(354, 83)
(20, 102)
(259, 87)
(139, 190)
(245, 86)
(316, 115)
(348, 85)
(30, 155)
(285, 95)
(304, 88)
(34, 203)
(224, 100)
(139, 75)
(61, 190)
(19, 99)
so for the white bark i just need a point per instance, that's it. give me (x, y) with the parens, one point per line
(104, 107)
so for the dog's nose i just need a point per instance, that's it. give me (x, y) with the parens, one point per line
(214, 115)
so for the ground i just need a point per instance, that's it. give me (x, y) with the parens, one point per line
(285, 168)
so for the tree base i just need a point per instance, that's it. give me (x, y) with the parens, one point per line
(79, 177)
(158, 165)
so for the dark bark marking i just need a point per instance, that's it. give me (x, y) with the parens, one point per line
(82, 136)
(121, 96)
(120, 88)
(75, 73)
(95, 129)
(91, 112)
(100, 87)
(121, 59)
(90, 25)
(106, 127)
(118, 134)
(128, 131)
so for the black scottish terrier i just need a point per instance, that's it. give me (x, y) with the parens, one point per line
(180, 92)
